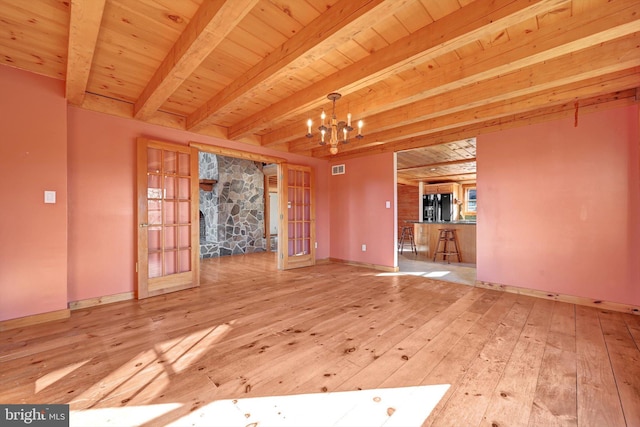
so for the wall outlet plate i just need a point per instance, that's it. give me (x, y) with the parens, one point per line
(49, 196)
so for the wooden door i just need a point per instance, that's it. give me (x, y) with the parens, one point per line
(167, 217)
(297, 234)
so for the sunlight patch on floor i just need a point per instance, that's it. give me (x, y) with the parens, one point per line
(389, 407)
(51, 377)
(431, 274)
(124, 416)
(401, 273)
(185, 350)
(436, 274)
(403, 406)
(156, 365)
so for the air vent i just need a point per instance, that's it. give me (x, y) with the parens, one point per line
(337, 170)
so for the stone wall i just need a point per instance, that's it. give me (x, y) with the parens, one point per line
(234, 209)
(208, 166)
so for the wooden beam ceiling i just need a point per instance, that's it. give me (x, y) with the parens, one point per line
(84, 25)
(508, 121)
(580, 32)
(214, 20)
(442, 36)
(437, 164)
(418, 72)
(516, 89)
(331, 29)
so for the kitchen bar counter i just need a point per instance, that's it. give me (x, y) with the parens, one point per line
(426, 235)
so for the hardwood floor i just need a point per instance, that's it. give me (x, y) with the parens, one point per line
(330, 345)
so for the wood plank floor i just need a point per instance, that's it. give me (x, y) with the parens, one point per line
(330, 345)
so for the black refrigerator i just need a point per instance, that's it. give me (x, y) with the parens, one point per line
(437, 207)
(446, 206)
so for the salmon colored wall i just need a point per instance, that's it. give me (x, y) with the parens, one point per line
(358, 213)
(33, 158)
(102, 151)
(558, 207)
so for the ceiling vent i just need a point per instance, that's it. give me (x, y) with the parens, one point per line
(337, 170)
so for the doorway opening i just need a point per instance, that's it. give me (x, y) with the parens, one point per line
(424, 177)
(233, 205)
(236, 214)
(271, 206)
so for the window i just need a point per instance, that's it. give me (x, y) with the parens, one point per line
(470, 199)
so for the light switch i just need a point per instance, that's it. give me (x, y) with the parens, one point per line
(388, 204)
(49, 196)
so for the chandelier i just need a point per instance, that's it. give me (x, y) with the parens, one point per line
(338, 130)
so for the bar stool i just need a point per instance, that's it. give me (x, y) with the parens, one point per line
(449, 238)
(407, 232)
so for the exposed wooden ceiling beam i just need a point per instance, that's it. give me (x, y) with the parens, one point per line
(600, 89)
(239, 154)
(124, 109)
(332, 28)
(579, 32)
(214, 20)
(84, 26)
(417, 119)
(544, 114)
(451, 32)
(438, 164)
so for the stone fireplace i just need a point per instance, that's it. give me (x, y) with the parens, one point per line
(232, 213)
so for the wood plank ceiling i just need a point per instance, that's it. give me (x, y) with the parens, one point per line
(418, 72)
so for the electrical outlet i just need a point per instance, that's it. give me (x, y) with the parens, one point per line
(364, 248)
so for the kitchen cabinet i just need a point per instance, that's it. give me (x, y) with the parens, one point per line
(449, 187)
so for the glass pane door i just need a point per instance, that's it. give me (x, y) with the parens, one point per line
(169, 209)
(168, 231)
(298, 217)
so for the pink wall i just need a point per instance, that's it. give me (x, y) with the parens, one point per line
(33, 158)
(102, 198)
(582, 248)
(358, 212)
(559, 207)
(82, 246)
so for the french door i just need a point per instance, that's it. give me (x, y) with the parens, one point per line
(296, 247)
(167, 218)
